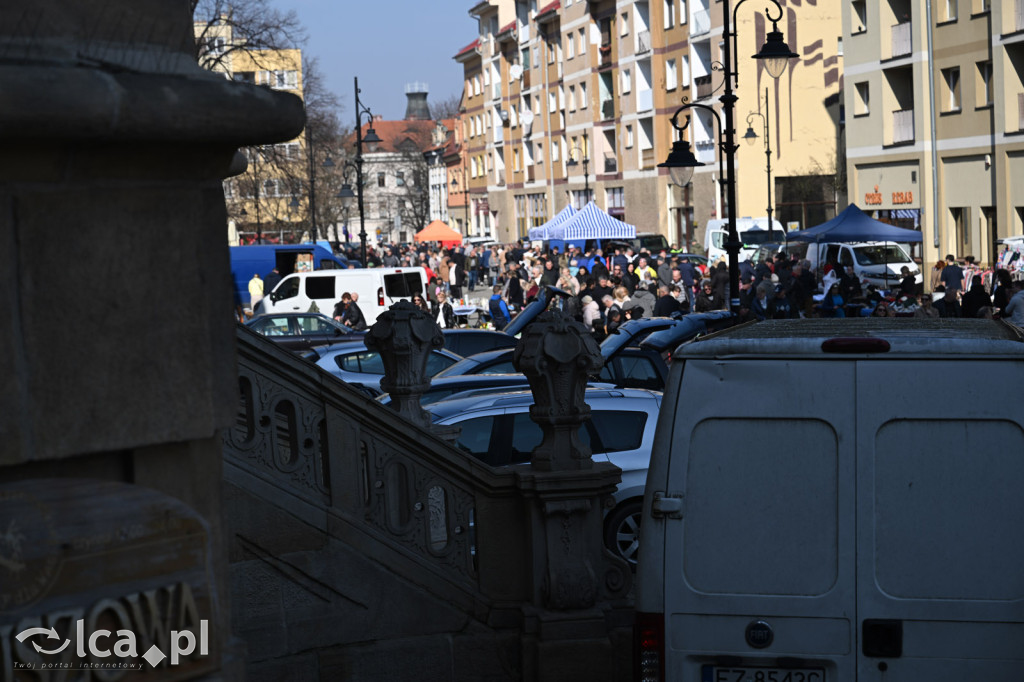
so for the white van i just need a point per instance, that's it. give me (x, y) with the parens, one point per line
(752, 232)
(877, 263)
(856, 515)
(378, 288)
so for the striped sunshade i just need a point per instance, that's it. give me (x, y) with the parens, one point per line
(592, 223)
(542, 232)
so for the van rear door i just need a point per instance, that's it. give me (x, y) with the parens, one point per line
(759, 578)
(940, 549)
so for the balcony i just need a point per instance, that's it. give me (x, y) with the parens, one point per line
(643, 42)
(704, 88)
(608, 109)
(526, 80)
(647, 159)
(644, 100)
(606, 56)
(903, 126)
(701, 23)
(610, 164)
(902, 43)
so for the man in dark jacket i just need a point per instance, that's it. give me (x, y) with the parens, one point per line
(500, 315)
(272, 279)
(666, 304)
(353, 316)
(975, 299)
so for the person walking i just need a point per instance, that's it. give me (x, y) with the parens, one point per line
(500, 314)
(255, 291)
(443, 312)
(353, 316)
(952, 277)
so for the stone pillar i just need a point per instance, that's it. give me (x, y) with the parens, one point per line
(117, 352)
(557, 354)
(404, 335)
(576, 580)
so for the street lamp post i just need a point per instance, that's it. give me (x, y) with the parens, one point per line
(775, 53)
(371, 141)
(750, 136)
(572, 163)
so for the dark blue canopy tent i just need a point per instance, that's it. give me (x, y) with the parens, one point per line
(854, 225)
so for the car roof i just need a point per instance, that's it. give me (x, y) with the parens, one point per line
(473, 361)
(473, 403)
(359, 346)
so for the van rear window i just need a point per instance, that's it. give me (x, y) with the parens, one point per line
(402, 284)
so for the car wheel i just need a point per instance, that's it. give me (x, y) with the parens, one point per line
(622, 531)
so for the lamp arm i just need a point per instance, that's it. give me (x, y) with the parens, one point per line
(734, 67)
(705, 107)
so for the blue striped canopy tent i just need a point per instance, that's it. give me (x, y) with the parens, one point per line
(541, 232)
(592, 223)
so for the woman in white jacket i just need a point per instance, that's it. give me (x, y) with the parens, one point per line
(591, 312)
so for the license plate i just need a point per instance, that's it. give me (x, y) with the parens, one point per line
(710, 673)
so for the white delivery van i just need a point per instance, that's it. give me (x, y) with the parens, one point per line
(877, 263)
(843, 502)
(378, 289)
(753, 232)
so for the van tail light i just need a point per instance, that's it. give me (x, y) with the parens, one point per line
(855, 344)
(650, 647)
(380, 296)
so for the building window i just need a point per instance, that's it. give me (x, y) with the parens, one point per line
(671, 77)
(951, 89)
(278, 80)
(538, 209)
(670, 13)
(627, 81)
(552, 102)
(381, 181)
(583, 41)
(858, 17)
(862, 100)
(555, 146)
(624, 24)
(947, 11)
(958, 218)
(570, 46)
(615, 201)
(984, 88)
(572, 98)
(516, 166)
(583, 95)
(629, 136)
(399, 179)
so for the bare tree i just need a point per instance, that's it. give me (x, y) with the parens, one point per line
(447, 107)
(223, 27)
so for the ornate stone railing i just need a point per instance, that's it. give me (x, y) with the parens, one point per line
(395, 491)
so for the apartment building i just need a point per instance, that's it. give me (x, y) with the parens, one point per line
(935, 119)
(571, 100)
(261, 202)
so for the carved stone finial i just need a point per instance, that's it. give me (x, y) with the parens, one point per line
(557, 354)
(404, 335)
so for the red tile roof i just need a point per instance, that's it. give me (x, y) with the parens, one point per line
(550, 7)
(472, 46)
(508, 27)
(394, 133)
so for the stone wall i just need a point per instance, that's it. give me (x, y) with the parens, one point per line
(117, 352)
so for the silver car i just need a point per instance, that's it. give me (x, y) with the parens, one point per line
(356, 364)
(497, 430)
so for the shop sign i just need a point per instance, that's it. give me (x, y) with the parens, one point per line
(873, 198)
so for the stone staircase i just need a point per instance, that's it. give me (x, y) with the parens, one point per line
(362, 547)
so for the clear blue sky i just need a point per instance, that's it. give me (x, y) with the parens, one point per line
(387, 45)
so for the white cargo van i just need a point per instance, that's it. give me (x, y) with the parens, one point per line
(877, 263)
(753, 232)
(378, 289)
(844, 501)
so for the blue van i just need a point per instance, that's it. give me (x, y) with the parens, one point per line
(262, 258)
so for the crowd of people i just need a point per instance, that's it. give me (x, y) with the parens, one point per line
(609, 288)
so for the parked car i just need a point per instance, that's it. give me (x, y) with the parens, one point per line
(497, 430)
(442, 388)
(300, 331)
(356, 364)
(467, 342)
(633, 355)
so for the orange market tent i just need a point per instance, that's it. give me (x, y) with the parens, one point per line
(438, 231)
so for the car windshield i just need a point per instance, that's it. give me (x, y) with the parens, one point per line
(402, 284)
(880, 254)
(757, 236)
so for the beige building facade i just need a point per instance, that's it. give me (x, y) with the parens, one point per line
(571, 101)
(935, 120)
